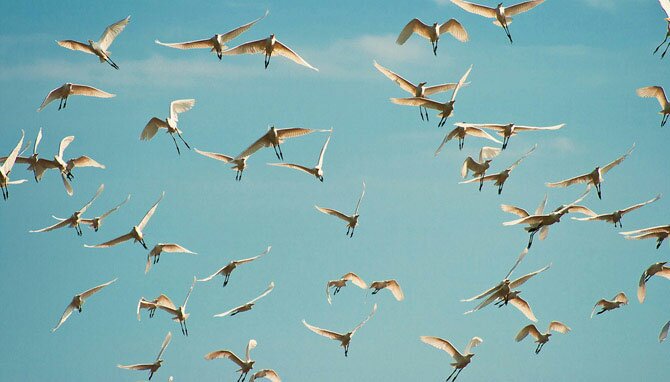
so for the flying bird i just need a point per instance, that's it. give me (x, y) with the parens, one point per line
(658, 93)
(352, 220)
(502, 15)
(342, 282)
(316, 171)
(152, 367)
(268, 46)
(500, 178)
(460, 360)
(249, 305)
(595, 177)
(99, 48)
(659, 233)
(460, 132)
(136, 233)
(391, 285)
(170, 124)
(32, 160)
(420, 90)
(96, 222)
(605, 305)
(6, 169)
(665, 4)
(540, 222)
(163, 247)
(267, 374)
(179, 313)
(216, 43)
(75, 220)
(65, 167)
(615, 217)
(275, 137)
(509, 130)
(433, 32)
(152, 305)
(78, 302)
(239, 163)
(445, 109)
(68, 89)
(486, 155)
(245, 365)
(541, 338)
(656, 269)
(344, 339)
(230, 267)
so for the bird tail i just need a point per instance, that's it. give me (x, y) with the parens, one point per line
(508, 20)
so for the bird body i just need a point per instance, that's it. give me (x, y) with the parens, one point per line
(500, 178)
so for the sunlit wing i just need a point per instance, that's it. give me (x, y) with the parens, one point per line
(521, 280)
(75, 45)
(283, 50)
(83, 161)
(531, 128)
(250, 47)
(441, 344)
(518, 161)
(152, 127)
(475, 341)
(476, 132)
(333, 212)
(529, 329)
(293, 166)
(150, 213)
(351, 276)
(483, 294)
(664, 330)
(394, 287)
(636, 206)
(90, 91)
(523, 307)
(372, 313)
(460, 83)
(52, 96)
(139, 366)
(398, 79)
(559, 327)
(60, 224)
(64, 317)
(358, 204)
(165, 344)
(115, 208)
(617, 161)
(520, 258)
(64, 143)
(454, 28)
(266, 373)
(189, 293)
(217, 156)
(323, 332)
(180, 106)
(477, 9)
(96, 289)
(100, 189)
(196, 44)
(654, 92)
(414, 26)
(112, 242)
(430, 90)
(319, 164)
(225, 354)
(111, 32)
(585, 178)
(522, 7)
(265, 293)
(665, 4)
(514, 210)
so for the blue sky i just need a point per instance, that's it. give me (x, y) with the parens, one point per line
(573, 61)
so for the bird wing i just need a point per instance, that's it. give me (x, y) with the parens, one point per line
(250, 47)
(111, 32)
(454, 28)
(475, 341)
(603, 217)
(189, 293)
(642, 288)
(241, 29)
(266, 373)
(90, 91)
(76, 45)
(351, 276)
(617, 161)
(414, 26)
(165, 344)
(292, 132)
(522, 7)
(540, 207)
(600, 302)
(582, 210)
(83, 161)
(328, 293)
(96, 289)
(150, 213)
(265, 293)
(430, 90)
(374, 309)
(654, 92)
(139, 366)
(64, 143)
(483, 294)
(521, 280)
(261, 142)
(468, 163)
(225, 354)
(285, 51)
(532, 128)
(115, 208)
(171, 248)
(441, 344)
(323, 332)
(144, 304)
(293, 166)
(665, 273)
(664, 330)
(250, 346)
(485, 303)
(180, 106)
(224, 314)
(418, 101)
(333, 212)
(477, 132)
(487, 153)
(64, 317)
(663, 228)
(100, 189)
(621, 297)
(394, 287)
(319, 164)
(531, 219)
(446, 139)
(358, 204)
(60, 224)
(523, 307)
(514, 210)
(52, 96)
(212, 276)
(196, 44)
(518, 161)
(522, 255)
(152, 127)
(477, 9)
(585, 178)
(403, 83)
(480, 179)
(559, 327)
(217, 156)
(112, 242)
(526, 330)
(665, 4)
(267, 250)
(636, 206)
(460, 84)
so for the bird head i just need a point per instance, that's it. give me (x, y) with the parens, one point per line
(422, 84)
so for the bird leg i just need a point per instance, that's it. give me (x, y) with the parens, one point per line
(281, 154)
(109, 61)
(452, 374)
(664, 120)
(60, 105)
(500, 188)
(661, 44)
(144, 244)
(666, 48)
(375, 291)
(461, 143)
(225, 280)
(442, 122)
(505, 142)
(457, 374)
(185, 329)
(532, 233)
(151, 374)
(182, 139)
(346, 350)
(434, 44)
(352, 232)
(152, 311)
(602, 311)
(481, 182)
(175, 144)
(267, 60)
(219, 54)
(599, 190)
(348, 230)
(65, 103)
(659, 241)
(4, 195)
(337, 290)
(509, 36)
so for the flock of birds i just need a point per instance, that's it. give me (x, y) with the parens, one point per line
(501, 294)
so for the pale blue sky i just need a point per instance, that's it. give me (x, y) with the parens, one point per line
(573, 61)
